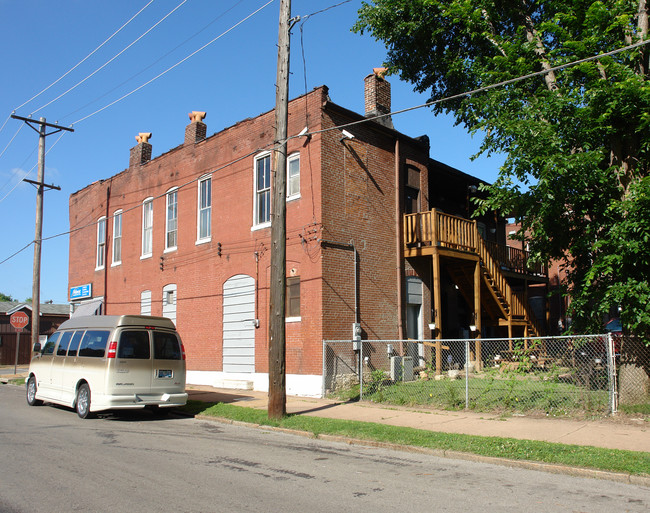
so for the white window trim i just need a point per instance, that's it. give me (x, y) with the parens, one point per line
(146, 255)
(266, 224)
(293, 156)
(169, 249)
(116, 262)
(199, 239)
(98, 267)
(293, 319)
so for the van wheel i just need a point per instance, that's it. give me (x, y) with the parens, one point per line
(82, 404)
(31, 392)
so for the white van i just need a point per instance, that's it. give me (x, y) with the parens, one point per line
(102, 362)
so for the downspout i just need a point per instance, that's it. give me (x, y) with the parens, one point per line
(106, 252)
(398, 244)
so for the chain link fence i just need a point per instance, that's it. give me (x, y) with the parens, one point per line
(578, 375)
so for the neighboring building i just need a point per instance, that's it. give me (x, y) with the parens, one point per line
(51, 317)
(187, 235)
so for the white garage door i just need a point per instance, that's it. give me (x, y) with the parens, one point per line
(239, 324)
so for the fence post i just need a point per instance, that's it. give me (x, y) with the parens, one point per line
(324, 370)
(467, 374)
(361, 370)
(611, 375)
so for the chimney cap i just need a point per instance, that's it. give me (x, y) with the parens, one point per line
(197, 115)
(143, 137)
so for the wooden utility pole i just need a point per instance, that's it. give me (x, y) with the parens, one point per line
(277, 407)
(38, 235)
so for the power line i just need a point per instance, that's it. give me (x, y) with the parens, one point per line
(86, 57)
(365, 120)
(175, 65)
(112, 58)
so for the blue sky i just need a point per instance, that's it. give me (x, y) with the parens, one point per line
(231, 79)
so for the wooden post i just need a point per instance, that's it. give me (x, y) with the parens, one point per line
(477, 313)
(277, 405)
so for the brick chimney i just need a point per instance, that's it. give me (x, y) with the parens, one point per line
(196, 130)
(141, 152)
(377, 96)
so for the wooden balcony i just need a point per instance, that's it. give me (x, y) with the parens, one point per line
(482, 271)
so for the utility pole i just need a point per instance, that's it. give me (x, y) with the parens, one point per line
(277, 404)
(38, 235)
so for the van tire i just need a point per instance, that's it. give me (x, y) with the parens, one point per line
(82, 403)
(31, 392)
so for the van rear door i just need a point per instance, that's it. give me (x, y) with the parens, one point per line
(133, 366)
(168, 363)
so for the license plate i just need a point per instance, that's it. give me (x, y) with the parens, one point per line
(164, 373)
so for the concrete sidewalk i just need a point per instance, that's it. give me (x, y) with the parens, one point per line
(611, 433)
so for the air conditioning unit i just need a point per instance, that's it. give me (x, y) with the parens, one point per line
(401, 368)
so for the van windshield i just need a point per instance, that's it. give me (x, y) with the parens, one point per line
(134, 344)
(166, 346)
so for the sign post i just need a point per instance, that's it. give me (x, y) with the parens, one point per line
(18, 320)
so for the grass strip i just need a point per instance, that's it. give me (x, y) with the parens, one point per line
(611, 460)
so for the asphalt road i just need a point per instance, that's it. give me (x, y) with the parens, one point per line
(52, 461)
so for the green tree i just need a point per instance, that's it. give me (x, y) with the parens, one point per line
(5, 297)
(576, 139)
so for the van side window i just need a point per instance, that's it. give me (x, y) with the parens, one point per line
(63, 343)
(134, 344)
(166, 346)
(74, 345)
(48, 348)
(94, 344)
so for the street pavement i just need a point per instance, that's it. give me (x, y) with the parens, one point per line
(626, 433)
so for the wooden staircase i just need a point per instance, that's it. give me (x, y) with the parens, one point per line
(459, 242)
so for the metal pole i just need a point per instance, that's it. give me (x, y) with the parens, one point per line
(467, 374)
(611, 375)
(277, 404)
(17, 352)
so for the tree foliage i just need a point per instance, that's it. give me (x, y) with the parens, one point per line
(576, 140)
(5, 297)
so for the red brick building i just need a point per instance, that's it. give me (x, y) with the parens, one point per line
(187, 235)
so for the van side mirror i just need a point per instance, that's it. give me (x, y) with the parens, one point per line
(37, 347)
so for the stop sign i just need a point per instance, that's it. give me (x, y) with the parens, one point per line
(19, 320)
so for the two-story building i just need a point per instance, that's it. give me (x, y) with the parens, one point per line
(377, 234)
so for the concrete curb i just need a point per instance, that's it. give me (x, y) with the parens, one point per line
(551, 468)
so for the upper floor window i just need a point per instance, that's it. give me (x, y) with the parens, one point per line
(262, 204)
(171, 231)
(117, 238)
(101, 243)
(204, 222)
(147, 227)
(293, 176)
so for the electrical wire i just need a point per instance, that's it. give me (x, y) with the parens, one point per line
(365, 120)
(177, 64)
(112, 58)
(87, 56)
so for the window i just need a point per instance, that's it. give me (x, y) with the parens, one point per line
(117, 238)
(204, 228)
(134, 345)
(62, 349)
(94, 344)
(48, 348)
(101, 243)
(145, 302)
(172, 220)
(262, 204)
(169, 302)
(74, 345)
(293, 299)
(166, 346)
(147, 227)
(293, 177)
